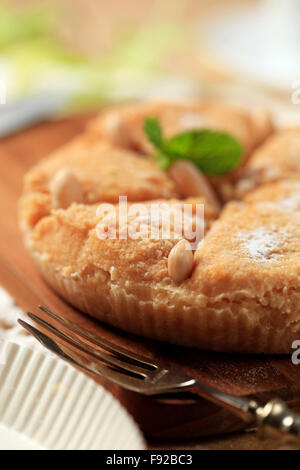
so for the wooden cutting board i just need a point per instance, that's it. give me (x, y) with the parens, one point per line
(262, 377)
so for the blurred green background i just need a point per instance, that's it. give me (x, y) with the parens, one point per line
(98, 51)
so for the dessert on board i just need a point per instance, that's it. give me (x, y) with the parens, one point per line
(230, 281)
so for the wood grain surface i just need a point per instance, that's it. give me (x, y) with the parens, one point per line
(262, 377)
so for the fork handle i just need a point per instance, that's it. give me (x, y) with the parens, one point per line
(276, 420)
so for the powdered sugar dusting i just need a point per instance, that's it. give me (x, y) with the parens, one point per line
(261, 244)
(291, 203)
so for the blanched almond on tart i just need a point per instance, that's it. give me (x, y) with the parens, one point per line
(192, 183)
(262, 121)
(65, 188)
(181, 261)
(114, 127)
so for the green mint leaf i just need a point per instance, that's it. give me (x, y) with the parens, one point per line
(163, 160)
(213, 152)
(153, 131)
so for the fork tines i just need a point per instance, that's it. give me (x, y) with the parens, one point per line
(91, 353)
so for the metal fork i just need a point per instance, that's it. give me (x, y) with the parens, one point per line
(101, 358)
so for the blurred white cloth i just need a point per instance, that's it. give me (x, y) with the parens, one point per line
(34, 417)
(259, 42)
(10, 330)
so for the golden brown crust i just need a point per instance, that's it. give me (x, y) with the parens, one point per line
(124, 125)
(243, 295)
(104, 173)
(283, 195)
(277, 159)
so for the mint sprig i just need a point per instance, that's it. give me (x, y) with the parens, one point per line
(154, 133)
(213, 152)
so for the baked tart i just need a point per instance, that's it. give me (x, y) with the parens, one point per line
(233, 288)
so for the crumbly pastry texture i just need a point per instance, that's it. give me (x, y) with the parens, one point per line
(243, 294)
(276, 160)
